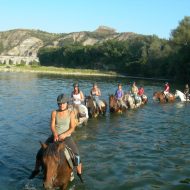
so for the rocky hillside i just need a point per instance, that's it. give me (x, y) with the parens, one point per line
(26, 43)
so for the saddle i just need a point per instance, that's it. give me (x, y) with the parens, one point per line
(70, 156)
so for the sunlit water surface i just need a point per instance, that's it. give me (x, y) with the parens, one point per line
(143, 149)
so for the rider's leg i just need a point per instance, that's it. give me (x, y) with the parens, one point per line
(71, 144)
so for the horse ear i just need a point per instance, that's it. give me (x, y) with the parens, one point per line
(43, 145)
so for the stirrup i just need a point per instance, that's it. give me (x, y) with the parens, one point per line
(72, 176)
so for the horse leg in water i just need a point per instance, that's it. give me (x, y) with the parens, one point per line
(39, 156)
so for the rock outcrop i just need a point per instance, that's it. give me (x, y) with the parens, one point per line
(26, 43)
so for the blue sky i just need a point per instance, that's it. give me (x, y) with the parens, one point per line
(147, 17)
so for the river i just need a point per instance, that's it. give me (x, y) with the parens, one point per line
(143, 149)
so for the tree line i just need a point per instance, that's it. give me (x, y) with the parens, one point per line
(143, 56)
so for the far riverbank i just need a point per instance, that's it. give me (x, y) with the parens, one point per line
(69, 71)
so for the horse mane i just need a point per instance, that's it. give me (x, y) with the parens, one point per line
(54, 149)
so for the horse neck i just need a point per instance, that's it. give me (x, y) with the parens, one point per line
(181, 95)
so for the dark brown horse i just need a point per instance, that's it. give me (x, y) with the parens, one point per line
(114, 106)
(93, 109)
(162, 98)
(57, 171)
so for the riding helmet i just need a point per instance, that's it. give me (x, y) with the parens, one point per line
(62, 99)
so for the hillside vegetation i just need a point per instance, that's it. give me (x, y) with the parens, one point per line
(105, 49)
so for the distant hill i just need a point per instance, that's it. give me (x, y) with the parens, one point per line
(23, 42)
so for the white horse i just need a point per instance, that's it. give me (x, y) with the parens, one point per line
(81, 113)
(181, 96)
(132, 102)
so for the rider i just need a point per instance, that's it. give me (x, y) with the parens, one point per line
(119, 94)
(166, 89)
(96, 93)
(134, 92)
(186, 91)
(78, 98)
(134, 89)
(62, 126)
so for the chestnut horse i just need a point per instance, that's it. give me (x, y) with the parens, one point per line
(162, 98)
(93, 109)
(57, 171)
(114, 106)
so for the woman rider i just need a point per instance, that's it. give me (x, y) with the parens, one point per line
(62, 126)
(96, 93)
(78, 97)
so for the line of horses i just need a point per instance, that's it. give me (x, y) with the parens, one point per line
(55, 164)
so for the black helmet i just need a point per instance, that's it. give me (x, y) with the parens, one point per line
(62, 99)
(75, 85)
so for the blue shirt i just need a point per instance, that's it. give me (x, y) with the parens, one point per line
(119, 94)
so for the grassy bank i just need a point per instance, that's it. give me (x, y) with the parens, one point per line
(56, 70)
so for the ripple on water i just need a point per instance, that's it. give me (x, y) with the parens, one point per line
(143, 149)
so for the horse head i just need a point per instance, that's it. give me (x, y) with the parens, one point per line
(181, 95)
(144, 99)
(57, 171)
(89, 103)
(93, 109)
(159, 96)
(114, 107)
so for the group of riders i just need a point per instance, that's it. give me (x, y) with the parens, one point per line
(62, 123)
(167, 93)
(135, 92)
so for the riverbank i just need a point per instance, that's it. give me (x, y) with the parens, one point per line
(58, 71)
(69, 71)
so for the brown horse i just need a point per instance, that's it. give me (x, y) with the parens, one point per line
(114, 105)
(93, 109)
(162, 98)
(57, 171)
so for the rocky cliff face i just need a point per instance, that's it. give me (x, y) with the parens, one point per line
(26, 43)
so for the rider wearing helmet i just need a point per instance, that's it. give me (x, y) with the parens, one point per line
(62, 126)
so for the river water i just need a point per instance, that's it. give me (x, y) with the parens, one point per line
(143, 149)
